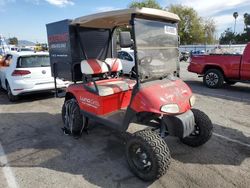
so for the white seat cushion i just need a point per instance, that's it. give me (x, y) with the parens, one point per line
(114, 63)
(110, 88)
(93, 66)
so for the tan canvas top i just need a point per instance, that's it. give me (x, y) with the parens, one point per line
(122, 17)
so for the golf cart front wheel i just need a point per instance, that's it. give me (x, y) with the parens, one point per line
(203, 130)
(148, 155)
(72, 117)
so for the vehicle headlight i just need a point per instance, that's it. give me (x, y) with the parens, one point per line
(170, 108)
(192, 101)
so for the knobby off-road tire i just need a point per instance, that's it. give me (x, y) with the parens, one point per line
(11, 97)
(72, 117)
(213, 78)
(148, 155)
(203, 130)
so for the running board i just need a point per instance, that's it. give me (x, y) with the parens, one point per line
(115, 123)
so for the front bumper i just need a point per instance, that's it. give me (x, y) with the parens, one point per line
(180, 125)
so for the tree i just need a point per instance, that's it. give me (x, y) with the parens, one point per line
(145, 3)
(192, 28)
(13, 41)
(247, 21)
(235, 15)
(210, 29)
(227, 37)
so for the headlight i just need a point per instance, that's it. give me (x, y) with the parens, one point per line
(192, 101)
(170, 108)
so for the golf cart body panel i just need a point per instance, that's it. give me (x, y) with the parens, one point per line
(168, 92)
(100, 105)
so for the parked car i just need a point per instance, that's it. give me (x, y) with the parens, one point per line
(25, 50)
(197, 52)
(127, 59)
(27, 72)
(219, 68)
(184, 56)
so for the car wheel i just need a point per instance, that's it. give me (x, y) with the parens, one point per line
(203, 130)
(148, 155)
(11, 97)
(72, 118)
(213, 78)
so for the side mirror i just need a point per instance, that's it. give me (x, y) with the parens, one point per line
(125, 40)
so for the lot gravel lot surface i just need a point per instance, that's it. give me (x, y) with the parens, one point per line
(34, 152)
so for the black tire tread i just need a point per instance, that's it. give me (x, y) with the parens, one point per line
(160, 151)
(78, 118)
(206, 130)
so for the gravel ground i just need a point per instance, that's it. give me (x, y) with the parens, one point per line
(39, 155)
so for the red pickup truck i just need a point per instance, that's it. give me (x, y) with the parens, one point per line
(219, 68)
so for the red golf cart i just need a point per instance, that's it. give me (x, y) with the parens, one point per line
(84, 50)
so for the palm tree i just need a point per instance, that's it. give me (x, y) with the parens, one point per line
(246, 20)
(235, 15)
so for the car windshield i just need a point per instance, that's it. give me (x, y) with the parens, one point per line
(157, 47)
(34, 61)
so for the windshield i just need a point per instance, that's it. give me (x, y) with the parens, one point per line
(157, 48)
(34, 61)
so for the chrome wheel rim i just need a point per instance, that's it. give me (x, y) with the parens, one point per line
(212, 79)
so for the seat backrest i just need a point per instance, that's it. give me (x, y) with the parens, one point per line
(93, 66)
(115, 64)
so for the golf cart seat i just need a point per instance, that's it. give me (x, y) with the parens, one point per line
(115, 64)
(108, 86)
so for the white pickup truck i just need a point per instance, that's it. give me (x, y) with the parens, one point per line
(27, 72)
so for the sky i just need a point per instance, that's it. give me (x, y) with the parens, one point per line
(27, 19)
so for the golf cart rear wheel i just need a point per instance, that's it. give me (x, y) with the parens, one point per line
(203, 130)
(72, 117)
(148, 155)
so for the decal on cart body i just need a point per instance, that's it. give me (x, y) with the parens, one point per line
(89, 102)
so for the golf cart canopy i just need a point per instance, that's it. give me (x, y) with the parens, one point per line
(93, 37)
(116, 18)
